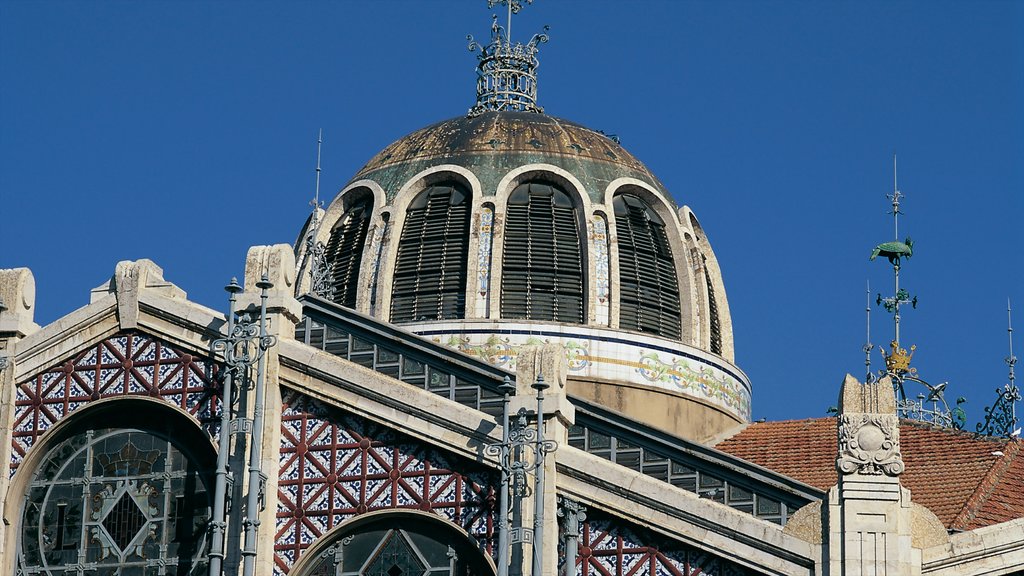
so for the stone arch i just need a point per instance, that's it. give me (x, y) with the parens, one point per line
(655, 200)
(400, 207)
(570, 185)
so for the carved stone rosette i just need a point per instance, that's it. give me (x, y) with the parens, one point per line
(869, 444)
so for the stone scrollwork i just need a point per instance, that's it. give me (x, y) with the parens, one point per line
(869, 444)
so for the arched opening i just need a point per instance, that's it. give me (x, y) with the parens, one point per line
(115, 494)
(396, 544)
(648, 285)
(430, 272)
(345, 247)
(542, 272)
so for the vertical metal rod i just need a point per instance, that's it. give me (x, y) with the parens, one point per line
(868, 346)
(538, 490)
(218, 524)
(252, 503)
(1010, 361)
(503, 526)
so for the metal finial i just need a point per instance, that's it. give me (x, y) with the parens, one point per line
(1001, 417)
(315, 258)
(540, 385)
(1011, 360)
(868, 346)
(264, 283)
(233, 287)
(506, 71)
(507, 387)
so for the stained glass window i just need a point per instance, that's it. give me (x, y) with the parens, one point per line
(399, 545)
(118, 502)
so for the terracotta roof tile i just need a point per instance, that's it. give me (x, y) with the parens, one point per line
(966, 480)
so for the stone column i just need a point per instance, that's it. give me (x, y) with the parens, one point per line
(547, 360)
(17, 308)
(277, 263)
(868, 512)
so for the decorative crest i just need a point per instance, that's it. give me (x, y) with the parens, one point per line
(506, 71)
(897, 361)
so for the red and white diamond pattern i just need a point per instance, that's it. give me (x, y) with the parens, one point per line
(334, 466)
(129, 364)
(607, 549)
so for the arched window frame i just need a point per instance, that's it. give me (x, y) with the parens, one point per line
(122, 414)
(346, 247)
(649, 294)
(575, 189)
(329, 550)
(433, 251)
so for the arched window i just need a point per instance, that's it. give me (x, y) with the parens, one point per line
(430, 272)
(398, 543)
(648, 286)
(541, 272)
(715, 322)
(116, 501)
(345, 249)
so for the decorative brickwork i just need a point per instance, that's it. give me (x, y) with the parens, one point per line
(335, 466)
(608, 548)
(129, 364)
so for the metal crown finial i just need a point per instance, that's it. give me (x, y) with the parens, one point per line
(506, 72)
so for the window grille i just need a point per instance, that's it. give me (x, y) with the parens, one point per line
(345, 251)
(541, 274)
(430, 273)
(648, 287)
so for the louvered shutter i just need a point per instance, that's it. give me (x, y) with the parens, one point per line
(430, 273)
(716, 327)
(648, 287)
(345, 251)
(542, 275)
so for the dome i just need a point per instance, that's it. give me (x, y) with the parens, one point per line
(506, 228)
(494, 142)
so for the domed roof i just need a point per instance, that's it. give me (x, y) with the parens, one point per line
(494, 142)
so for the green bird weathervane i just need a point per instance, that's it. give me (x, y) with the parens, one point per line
(897, 359)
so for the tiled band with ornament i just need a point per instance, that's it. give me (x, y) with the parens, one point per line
(606, 354)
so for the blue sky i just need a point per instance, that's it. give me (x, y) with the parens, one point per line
(185, 132)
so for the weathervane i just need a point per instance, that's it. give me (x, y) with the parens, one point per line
(506, 71)
(1001, 417)
(897, 358)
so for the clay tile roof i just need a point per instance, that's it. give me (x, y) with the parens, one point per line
(966, 480)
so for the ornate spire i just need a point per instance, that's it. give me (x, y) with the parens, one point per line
(506, 72)
(930, 404)
(1001, 417)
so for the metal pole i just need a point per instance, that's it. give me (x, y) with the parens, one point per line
(538, 490)
(503, 527)
(217, 523)
(256, 476)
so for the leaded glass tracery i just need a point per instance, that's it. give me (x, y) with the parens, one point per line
(117, 502)
(398, 545)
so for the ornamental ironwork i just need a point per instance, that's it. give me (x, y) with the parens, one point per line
(522, 451)
(1001, 417)
(506, 71)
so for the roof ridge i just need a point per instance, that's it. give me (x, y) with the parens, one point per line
(987, 485)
